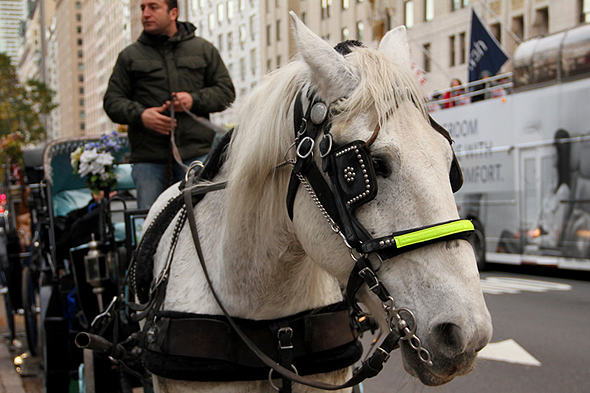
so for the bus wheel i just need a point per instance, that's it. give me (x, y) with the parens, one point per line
(478, 242)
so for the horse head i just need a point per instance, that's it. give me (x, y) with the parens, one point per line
(371, 96)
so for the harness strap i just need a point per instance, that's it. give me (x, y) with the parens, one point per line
(368, 369)
(212, 337)
(403, 241)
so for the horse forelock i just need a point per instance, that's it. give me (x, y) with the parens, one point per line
(385, 89)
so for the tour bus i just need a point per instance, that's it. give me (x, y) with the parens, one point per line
(525, 154)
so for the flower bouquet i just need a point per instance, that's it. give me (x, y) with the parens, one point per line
(96, 161)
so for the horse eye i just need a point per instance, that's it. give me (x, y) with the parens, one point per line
(381, 167)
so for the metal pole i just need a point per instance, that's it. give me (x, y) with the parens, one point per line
(512, 34)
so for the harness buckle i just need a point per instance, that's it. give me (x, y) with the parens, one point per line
(285, 336)
(370, 278)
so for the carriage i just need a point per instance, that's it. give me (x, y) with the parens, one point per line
(75, 264)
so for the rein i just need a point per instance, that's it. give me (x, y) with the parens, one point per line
(352, 184)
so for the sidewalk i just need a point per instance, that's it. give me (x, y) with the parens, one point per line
(10, 380)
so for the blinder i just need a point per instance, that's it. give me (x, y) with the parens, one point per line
(353, 183)
(354, 174)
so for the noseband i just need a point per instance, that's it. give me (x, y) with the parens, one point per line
(352, 183)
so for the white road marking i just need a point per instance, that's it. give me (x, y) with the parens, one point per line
(500, 285)
(510, 352)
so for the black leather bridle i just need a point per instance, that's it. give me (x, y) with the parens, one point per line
(352, 183)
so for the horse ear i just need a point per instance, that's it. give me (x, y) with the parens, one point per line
(395, 46)
(331, 73)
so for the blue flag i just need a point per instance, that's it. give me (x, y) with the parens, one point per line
(485, 53)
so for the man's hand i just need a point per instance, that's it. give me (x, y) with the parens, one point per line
(182, 97)
(153, 119)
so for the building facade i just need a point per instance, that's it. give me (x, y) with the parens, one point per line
(12, 14)
(106, 24)
(70, 75)
(439, 31)
(254, 37)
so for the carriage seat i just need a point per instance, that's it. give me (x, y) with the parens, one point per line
(69, 200)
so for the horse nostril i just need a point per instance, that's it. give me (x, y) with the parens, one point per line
(448, 339)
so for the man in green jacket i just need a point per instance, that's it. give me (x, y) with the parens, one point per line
(167, 66)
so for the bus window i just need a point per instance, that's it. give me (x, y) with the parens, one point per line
(575, 56)
(522, 60)
(544, 60)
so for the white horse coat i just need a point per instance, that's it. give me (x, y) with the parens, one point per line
(265, 266)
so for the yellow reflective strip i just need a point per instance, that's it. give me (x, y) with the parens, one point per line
(436, 232)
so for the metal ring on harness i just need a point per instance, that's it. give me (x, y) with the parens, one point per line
(275, 387)
(192, 166)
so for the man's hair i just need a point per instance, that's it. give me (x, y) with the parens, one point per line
(172, 4)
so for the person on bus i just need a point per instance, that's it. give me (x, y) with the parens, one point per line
(554, 212)
(454, 97)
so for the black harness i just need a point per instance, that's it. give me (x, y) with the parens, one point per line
(352, 183)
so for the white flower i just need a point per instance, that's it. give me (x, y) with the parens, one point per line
(105, 159)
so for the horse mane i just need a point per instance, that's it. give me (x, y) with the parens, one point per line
(257, 188)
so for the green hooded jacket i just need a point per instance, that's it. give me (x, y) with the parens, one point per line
(145, 75)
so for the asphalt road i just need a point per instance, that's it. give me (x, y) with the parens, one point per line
(541, 340)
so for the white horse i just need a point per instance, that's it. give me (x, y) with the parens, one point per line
(263, 265)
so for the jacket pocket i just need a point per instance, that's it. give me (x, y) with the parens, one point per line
(146, 66)
(192, 62)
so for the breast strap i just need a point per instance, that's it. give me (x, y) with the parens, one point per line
(212, 340)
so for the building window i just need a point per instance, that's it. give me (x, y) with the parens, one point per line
(279, 60)
(80, 66)
(268, 65)
(326, 5)
(230, 10)
(81, 102)
(79, 29)
(426, 53)
(253, 61)
(496, 31)
(78, 5)
(242, 69)
(462, 48)
(220, 12)
(458, 4)
(541, 21)
(211, 24)
(452, 51)
(220, 42)
(360, 29)
(252, 29)
(278, 30)
(268, 38)
(345, 4)
(409, 14)
(243, 34)
(428, 10)
(230, 41)
(585, 11)
(518, 26)
(345, 34)
(82, 126)
(81, 114)
(242, 5)
(79, 17)
(81, 90)
(81, 77)
(79, 41)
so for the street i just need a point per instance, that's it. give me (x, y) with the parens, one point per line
(540, 343)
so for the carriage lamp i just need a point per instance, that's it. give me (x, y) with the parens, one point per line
(96, 264)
